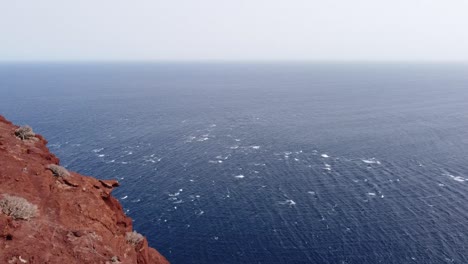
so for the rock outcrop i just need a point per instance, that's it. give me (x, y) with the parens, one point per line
(71, 218)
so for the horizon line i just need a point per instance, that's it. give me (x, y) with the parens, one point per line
(252, 61)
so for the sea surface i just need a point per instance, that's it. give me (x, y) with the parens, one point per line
(266, 162)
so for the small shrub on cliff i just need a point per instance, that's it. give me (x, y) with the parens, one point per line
(58, 171)
(115, 259)
(25, 132)
(134, 238)
(17, 207)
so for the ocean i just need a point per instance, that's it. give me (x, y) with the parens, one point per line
(266, 162)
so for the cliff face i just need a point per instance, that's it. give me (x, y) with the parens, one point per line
(73, 219)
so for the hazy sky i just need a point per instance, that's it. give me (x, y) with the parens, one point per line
(408, 30)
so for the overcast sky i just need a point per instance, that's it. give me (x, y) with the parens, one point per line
(343, 30)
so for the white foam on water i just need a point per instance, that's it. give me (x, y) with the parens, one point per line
(97, 150)
(325, 156)
(174, 194)
(459, 179)
(255, 147)
(456, 178)
(124, 162)
(239, 176)
(190, 139)
(296, 159)
(200, 212)
(371, 193)
(371, 161)
(288, 202)
(125, 197)
(101, 155)
(311, 192)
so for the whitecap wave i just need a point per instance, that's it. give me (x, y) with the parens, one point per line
(98, 150)
(456, 178)
(199, 212)
(288, 202)
(371, 161)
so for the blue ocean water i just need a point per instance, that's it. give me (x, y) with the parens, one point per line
(266, 163)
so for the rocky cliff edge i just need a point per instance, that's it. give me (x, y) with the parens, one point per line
(53, 216)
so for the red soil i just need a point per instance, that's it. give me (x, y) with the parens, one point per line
(78, 220)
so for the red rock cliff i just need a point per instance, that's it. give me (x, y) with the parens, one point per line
(75, 219)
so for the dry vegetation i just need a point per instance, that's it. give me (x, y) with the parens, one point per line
(134, 238)
(25, 132)
(17, 207)
(58, 171)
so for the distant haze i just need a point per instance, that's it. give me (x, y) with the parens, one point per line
(363, 30)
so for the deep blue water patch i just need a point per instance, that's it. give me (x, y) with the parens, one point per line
(266, 163)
